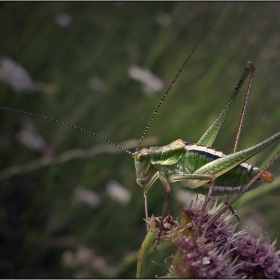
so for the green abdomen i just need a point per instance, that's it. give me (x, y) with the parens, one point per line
(197, 156)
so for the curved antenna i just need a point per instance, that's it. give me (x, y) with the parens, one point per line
(174, 80)
(71, 125)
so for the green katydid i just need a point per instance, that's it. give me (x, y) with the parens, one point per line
(195, 166)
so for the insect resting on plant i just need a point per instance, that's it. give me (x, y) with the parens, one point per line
(195, 166)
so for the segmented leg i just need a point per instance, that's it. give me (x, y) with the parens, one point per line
(251, 67)
(146, 210)
(211, 133)
(153, 179)
(225, 201)
(168, 192)
(207, 197)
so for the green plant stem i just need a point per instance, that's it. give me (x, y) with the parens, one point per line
(144, 250)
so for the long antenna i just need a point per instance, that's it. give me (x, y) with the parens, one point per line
(174, 80)
(71, 125)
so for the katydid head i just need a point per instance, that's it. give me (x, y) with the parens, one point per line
(145, 171)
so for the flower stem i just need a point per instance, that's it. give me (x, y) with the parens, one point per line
(144, 250)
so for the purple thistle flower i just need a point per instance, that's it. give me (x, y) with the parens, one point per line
(218, 251)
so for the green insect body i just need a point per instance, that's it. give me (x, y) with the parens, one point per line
(189, 162)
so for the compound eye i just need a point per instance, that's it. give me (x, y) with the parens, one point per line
(140, 157)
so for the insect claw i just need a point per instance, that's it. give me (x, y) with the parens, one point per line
(233, 212)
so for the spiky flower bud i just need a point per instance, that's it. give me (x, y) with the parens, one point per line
(218, 250)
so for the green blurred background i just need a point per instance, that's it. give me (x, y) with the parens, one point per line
(60, 220)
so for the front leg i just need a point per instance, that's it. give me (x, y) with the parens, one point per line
(145, 191)
(168, 190)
